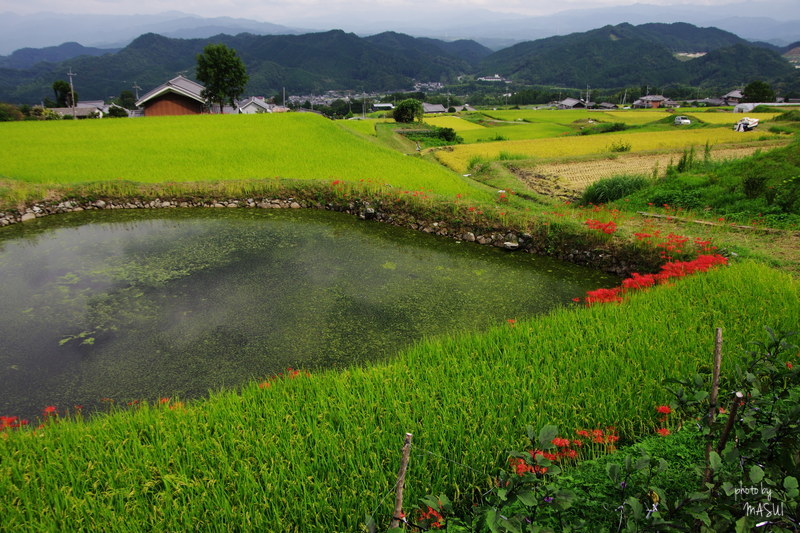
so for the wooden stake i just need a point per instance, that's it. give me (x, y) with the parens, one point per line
(712, 401)
(401, 481)
(712, 412)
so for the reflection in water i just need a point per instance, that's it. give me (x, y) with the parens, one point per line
(141, 305)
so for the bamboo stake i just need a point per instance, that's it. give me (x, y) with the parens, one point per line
(401, 481)
(712, 403)
(712, 411)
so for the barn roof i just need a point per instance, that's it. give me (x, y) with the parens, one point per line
(178, 85)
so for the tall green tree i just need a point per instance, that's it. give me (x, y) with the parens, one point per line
(126, 99)
(223, 73)
(63, 94)
(758, 91)
(408, 111)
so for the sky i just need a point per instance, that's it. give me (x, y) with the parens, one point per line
(285, 11)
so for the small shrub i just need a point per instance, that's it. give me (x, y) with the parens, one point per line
(619, 146)
(610, 189)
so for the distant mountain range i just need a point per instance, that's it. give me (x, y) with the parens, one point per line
(610, 57)
(625, 55)
(773, 21)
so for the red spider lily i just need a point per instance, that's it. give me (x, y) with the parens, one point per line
(50, 410)
(637, 281)
(605, 227)
(663, 432)
(511, 322)
(11, 422)
(521, 467)
(664, 409)
(603, 296)
(789, 365)
(561, 443)
(434, 516)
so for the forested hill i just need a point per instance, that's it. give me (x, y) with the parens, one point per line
(313, 62)
(624, 55)
(608, 57)
(27, 57)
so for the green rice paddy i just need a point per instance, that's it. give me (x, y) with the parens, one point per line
(320, 452)
(210, 148)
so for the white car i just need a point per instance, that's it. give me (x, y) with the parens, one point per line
(682, 121)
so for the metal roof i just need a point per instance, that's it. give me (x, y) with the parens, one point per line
(178, 85)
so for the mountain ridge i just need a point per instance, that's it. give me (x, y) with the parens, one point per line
(613, 56)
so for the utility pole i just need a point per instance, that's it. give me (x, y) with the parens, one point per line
(72, 90)
(284, 97)
(136, 88)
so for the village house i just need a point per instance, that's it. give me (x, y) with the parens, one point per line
(254, 105)
(733, 97)
(178, 96)
(654, 101)
(433, 108)
(573, 103)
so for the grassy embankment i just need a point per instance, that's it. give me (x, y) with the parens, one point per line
(318, 453)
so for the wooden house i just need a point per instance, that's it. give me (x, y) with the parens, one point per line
(178, 96)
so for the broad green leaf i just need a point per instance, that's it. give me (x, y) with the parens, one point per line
(612, 469)
(636, 507)
(546, 435)
(742, 525)
(756, 474)
(714, 461)
(528, 498)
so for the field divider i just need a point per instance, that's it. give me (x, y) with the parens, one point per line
(715, 224)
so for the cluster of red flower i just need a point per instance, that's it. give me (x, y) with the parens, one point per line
(11, 422)
(673, 269)
(433, 517)
(566, 450)
(606, 227)
(663, 410)
(291, 373)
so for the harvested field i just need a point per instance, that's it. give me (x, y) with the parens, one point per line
(569, 178)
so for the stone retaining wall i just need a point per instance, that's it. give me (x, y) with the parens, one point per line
(597, 258)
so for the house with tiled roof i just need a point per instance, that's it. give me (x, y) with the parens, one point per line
(733, 97)
(253, 105)
(178, 96)
(433, 108)
(654, 101)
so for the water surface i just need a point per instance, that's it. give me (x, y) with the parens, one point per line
(130, 305)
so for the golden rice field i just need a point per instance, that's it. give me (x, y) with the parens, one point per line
(731, 118)
(459, 157)
(636, 117)
(558, 116)
(579, 174)
(568, 116)
(513, 132)
(456, 123)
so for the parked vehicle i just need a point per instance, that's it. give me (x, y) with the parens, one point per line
(682, 121)
(746, 124)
